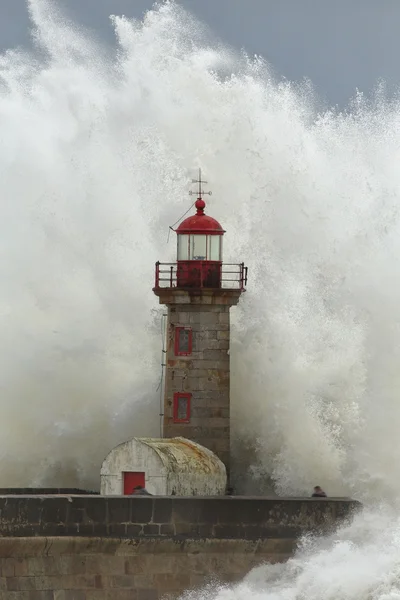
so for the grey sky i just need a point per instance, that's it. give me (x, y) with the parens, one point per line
(339, 44)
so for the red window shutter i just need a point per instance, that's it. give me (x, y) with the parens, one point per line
(183, 341)
(182, 407)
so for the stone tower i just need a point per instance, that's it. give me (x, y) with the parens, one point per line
(199, 290)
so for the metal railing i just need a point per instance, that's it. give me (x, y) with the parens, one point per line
(201, 274)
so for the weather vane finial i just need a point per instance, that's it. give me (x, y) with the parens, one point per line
(200, 191)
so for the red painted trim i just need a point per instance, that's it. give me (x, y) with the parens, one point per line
(176, 347)
(177, 396)
(132, 479)
(157, 274)
(200, 224)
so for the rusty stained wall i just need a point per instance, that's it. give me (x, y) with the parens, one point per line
(172, 467)
(205, 374)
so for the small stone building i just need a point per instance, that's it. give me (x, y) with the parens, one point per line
(169, 466)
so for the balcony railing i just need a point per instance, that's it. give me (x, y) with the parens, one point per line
(201, 274)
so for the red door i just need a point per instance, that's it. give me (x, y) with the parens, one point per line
(131, 480)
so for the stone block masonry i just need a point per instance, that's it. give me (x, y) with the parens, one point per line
(205, 371)
(144, 548)
(98, 569)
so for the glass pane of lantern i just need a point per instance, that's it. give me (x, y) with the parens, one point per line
(183, 409)
(198, 247)
(215, 244)
(183, 247)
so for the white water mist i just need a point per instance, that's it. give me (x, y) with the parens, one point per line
(96, 150)
(360, 562)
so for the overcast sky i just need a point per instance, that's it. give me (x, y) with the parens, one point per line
(340, 45)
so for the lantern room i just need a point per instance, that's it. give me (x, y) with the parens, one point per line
(199, 255)
(200, 236)
(199, 250)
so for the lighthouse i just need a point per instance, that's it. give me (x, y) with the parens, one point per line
(199, 289)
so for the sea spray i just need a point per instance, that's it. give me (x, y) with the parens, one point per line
(361, 561)
(97, 148)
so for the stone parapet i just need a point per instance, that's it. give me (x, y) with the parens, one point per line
(176, 518)
(43, 491)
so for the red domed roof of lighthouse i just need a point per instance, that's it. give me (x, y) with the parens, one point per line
(200, 223)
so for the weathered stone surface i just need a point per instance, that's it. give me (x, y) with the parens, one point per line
(205, 373)
(203, 411)
(92, 515)
(41, 491)
(213, 365)
(223, 335)
(184, 543)
(204, 318)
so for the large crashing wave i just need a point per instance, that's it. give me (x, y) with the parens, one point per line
(359, 562)
(96, 150)
(97, 146)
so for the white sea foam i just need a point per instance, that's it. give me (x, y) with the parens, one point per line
(96, 150)
(360, 562)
